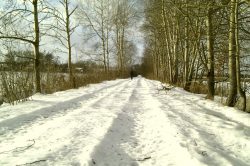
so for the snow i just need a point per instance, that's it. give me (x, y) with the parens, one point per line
(123, 123)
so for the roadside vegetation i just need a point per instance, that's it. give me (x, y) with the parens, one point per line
(202, 46)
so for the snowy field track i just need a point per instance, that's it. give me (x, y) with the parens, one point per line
(123, 123)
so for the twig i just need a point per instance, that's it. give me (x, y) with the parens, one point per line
(143, 159)
(18, 149)
(165, 88)
(34, 162)
(93, 161)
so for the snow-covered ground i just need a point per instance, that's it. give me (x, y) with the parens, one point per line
(123, 123)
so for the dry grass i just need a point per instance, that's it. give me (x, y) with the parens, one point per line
(18, 86)
(199, 88)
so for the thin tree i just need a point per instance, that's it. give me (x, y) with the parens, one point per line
(64, 30)
(210, 51)
(122, 17)
(95, 16)
(231, 100)
(240, 91)
(14, 15)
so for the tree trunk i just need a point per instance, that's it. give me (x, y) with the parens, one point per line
(36, 49)
(186, 57)
(71, 76)
(232, 57)
(210, 48)
(107, 49)
(238, 75)
(167, 63)
(104, 53)
(103, 38)
(122, 50)
(176, 57)
(118, 48)
(186, 51)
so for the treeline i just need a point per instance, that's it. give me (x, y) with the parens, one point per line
(22, 61)
(102, 26)
(188, 42)
(17, 78)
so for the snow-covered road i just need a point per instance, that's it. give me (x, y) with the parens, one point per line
(123, 123)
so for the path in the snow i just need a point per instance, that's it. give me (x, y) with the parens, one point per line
(123, 123)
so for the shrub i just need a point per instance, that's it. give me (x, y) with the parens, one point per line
(16, 86)
(198, 87)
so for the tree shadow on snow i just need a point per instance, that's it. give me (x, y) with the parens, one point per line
(206, 137)
(120, 136)
(61, 107)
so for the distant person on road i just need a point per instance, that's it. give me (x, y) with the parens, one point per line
(131, 74)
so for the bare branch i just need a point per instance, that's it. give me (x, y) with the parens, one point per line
(17, 38)
(73, 11)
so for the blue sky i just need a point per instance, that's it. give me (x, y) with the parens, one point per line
(48, 44)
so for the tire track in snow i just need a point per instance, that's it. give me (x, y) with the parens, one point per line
(89, 131)
(138, 136)
(154, 132)
(74, 124)
(59, 122)
(128, 124)
(23, 120)
(68, 109)
(112, 150)
(194, 123)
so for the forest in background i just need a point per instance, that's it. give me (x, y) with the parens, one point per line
(200, 45)
(29, 29)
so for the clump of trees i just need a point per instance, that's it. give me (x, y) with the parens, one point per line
(189, 42)
(31, 23)
(106, 24)
(16, 74)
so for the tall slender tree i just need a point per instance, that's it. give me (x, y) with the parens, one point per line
(95, 15)
(240, 91)
(13, 16)
(231, 100)
(64, 29)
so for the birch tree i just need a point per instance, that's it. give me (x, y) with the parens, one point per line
(95, 16)
(240, 90)
(197, 33)
(121, 19)
(234, 58)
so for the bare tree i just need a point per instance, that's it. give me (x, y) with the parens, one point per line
(234, 57)
(95, 16)
(26, 13)
(63, 32)
(122, 16)
(231, 100)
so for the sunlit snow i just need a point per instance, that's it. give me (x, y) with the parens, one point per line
(123, 123)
